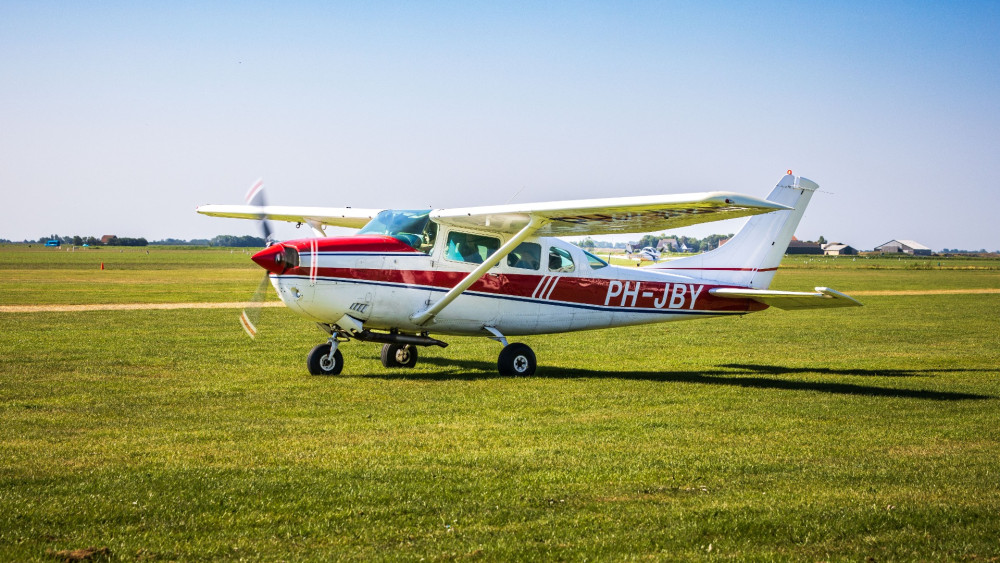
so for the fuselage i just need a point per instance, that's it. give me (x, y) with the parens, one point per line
(382, 281)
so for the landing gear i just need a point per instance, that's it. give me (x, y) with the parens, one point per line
(325, 359)
(399, 350)
(399, 355)
(516, 359)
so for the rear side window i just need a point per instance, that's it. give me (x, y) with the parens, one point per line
(526, 256)
(466, 247)
(595, 262)
(560, 260)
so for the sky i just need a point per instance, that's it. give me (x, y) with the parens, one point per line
(122, 117)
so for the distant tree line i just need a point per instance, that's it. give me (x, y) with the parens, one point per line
(959, 251)
(182, 242)
(93, 241)
(693, 244)
(241, 241)
(221, 240)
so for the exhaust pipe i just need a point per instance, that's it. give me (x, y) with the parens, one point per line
(396, 338)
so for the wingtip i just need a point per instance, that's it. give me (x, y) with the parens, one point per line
(834, 294)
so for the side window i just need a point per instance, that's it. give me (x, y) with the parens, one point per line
(560, 260)
(428, 237)
(595, 262)
(526, 256)
(465, 247)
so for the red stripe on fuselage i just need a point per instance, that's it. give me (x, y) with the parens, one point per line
(623, 294)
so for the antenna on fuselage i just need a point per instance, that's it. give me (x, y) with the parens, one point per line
(517, 193)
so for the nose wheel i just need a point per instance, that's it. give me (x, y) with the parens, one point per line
(516, 359)
(325, 359)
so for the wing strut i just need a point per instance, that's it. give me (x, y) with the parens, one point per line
(533, 225)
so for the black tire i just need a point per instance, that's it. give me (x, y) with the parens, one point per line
(516, 359)
(399, 355)
(317, 361)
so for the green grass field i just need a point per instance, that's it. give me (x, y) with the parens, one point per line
(867, 433)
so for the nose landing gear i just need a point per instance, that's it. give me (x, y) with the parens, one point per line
(399, 350)
(325, 359)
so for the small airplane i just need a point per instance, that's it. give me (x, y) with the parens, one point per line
(499, 271)
(644, 254)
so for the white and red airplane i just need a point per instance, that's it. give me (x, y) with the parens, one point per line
(498, 271)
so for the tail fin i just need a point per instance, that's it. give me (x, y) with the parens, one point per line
(751, 258)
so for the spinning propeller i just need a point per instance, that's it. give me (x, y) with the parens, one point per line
(251, 314)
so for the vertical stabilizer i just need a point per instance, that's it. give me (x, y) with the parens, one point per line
(752, 256)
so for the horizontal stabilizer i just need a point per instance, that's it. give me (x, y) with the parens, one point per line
(790, 300)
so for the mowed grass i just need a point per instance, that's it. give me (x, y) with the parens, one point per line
(42, 276)
(821, 435)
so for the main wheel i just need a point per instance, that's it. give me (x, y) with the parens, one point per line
(516, 359)
(320, 364)
(399, 356)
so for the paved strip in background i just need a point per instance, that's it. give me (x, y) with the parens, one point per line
(241, 304)
(925, 292)
(131, 307)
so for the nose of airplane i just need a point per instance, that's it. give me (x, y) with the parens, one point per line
(272, 259)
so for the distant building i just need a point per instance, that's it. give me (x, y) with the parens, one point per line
(905, 247)
(722, 242)
(107, 238)
(671, 245)
(838, 249)
(667, 244)
(800, 247)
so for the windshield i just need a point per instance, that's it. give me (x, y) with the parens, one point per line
(412, 227)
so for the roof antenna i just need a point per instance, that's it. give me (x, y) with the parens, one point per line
(518, 192)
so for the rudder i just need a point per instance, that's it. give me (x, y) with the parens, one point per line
(752, 256)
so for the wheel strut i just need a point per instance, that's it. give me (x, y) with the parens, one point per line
(328, 361)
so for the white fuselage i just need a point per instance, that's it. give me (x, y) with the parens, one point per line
(383, 289)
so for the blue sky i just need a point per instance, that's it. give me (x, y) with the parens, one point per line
(122, 117)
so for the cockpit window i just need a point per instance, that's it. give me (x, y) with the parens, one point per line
(595, 262)
(412, 227)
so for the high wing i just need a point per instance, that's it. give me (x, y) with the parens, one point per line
(349, 217)
(609, 215)
(559, 218)
(790, 300)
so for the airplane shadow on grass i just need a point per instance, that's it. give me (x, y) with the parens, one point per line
(738, 375)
